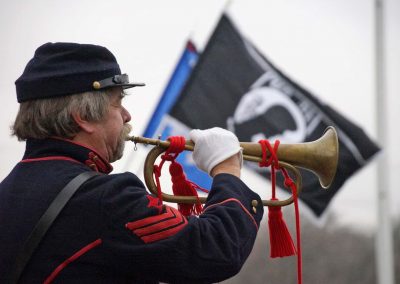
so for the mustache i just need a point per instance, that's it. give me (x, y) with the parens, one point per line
(126, 130)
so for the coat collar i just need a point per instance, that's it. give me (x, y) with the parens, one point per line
(45, 149)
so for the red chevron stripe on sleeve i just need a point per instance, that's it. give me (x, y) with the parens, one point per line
(158, 227)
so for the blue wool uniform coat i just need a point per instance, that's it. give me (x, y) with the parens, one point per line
(113, 230)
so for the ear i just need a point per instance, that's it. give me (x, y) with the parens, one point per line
(86, 126)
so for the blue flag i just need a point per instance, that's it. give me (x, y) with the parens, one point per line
(161, 124)
(173, 89)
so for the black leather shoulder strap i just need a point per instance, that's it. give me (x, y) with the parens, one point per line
(45, 222)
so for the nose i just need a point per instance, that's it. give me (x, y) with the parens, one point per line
(126, 115)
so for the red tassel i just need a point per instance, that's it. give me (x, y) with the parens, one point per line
(182, 187)
(281, 243)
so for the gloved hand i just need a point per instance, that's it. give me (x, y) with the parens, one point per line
(213, 146)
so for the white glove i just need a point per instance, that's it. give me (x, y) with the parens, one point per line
(213, 146)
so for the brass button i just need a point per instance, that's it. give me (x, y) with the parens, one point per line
(254, 203)
(96, 85)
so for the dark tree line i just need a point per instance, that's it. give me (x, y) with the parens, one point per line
(331, 255)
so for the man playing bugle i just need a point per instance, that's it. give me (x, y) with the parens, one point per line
(110, 230)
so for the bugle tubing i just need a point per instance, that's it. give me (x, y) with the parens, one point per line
(319, 156)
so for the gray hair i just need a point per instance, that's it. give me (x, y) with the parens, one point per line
(44, 118)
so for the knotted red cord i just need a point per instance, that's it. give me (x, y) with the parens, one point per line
(281, 243)
(181, 186)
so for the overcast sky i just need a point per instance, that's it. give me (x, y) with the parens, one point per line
(326, 46)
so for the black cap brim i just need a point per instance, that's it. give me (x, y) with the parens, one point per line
(116, 81)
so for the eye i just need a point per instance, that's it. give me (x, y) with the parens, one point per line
(116, 101)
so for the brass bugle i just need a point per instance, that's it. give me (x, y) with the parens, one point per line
(319, 156)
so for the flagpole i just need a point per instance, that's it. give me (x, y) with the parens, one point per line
(384, 241)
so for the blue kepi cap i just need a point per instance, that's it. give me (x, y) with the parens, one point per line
(60, 69)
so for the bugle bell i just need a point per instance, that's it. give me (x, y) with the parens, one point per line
(319, 156)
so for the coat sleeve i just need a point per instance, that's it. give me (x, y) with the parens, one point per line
(151, 241)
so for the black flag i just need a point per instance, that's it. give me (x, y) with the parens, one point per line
(233, 86)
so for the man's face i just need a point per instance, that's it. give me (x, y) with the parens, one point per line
(114, 128)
